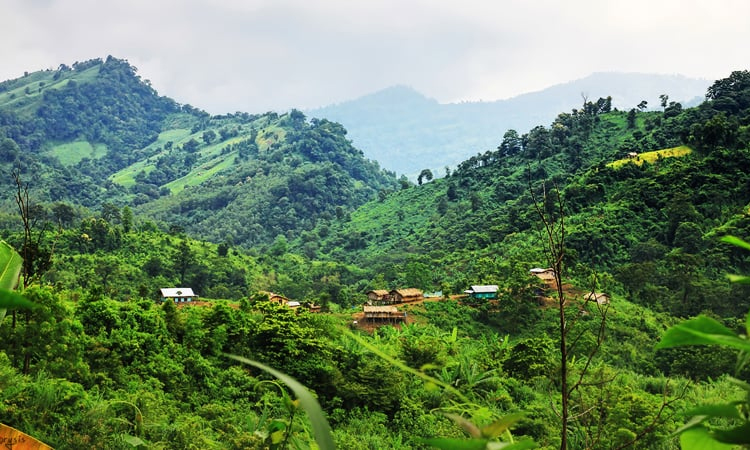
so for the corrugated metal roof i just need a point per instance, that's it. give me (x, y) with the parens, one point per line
(177, 292)
(489, 288)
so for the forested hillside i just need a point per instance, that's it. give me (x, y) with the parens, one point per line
(241, 207)
(643, 223)
(98, 134)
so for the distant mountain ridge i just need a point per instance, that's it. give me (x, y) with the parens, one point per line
(406, 131)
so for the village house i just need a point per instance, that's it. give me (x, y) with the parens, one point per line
(377, 296)
(598, 297)
(383, 313)
(405, 295)
(543, 274)
(178, 295)
(483, 292)
(280, 299)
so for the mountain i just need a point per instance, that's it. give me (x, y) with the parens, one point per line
(407, 132)
(638, 223)
(96, 134)
(99, 362)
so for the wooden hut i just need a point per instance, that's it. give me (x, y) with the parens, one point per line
(543, 274)
(377, 296)
(598, 297)
(383, 314)
(406, 295)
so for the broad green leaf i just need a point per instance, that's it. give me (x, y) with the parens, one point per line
(693, 422)
(698, 438)
(10, 299)
(457, 444)
(740, 279)
(701, 331)
(736, 242)
(10, 266)
(728, 410)
(739, 435)
(133, 441)
(499, 426)
(321, 428)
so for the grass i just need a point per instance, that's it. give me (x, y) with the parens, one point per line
(202, 173)
(126, 176)
(17, 97)
(210, 162)
(654, 156)
(73, 152)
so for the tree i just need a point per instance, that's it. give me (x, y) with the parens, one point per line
(664, 100)
(424, 174)
(9, 150)
(111, 213)
(551, 212)
(63, 214)
(209, 136)
(36, 258)
(191, 145)
(184, 260)
(127, 219)
(631, 118)
(735, 87)
(512, 143)
(451, 193)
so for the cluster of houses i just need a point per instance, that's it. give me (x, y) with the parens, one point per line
(549, 279)
(283, 301)
(381, 303)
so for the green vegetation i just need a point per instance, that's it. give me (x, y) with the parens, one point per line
(241, 205)
(652, 157)
(72, 153)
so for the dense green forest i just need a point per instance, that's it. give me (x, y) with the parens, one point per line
(106, 212)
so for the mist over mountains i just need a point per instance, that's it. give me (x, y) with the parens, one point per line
(406, 131)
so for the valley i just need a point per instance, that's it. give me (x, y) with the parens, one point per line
(113, 193)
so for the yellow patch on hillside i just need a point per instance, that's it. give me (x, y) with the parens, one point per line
(651, 157)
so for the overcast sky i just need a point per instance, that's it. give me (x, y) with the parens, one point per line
(259, 55)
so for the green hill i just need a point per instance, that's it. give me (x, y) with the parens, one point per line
(294, 209)
(636, 223)
(96, 133)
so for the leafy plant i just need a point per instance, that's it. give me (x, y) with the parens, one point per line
(698, 433)
(10, 268)
(482, 438)
(320, 427)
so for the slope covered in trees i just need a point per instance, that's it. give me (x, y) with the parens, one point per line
(99, 363)
(644, 224)
(97, 134)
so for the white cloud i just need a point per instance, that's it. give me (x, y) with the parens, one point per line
(255, 55)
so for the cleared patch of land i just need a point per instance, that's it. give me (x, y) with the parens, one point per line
(72, 153)
(651, 157)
